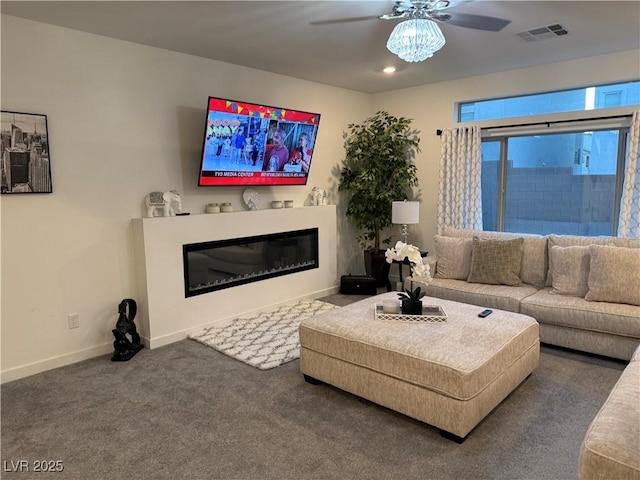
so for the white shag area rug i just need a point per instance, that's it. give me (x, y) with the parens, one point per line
(266, 339)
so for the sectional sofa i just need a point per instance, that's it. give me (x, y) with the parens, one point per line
(611, 447)
(585, 294)
(583, 291)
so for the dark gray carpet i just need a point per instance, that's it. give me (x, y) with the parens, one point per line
(185, 411)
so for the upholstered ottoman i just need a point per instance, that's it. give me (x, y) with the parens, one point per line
(449, 374)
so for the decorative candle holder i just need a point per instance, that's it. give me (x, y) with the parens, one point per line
(391, 306)
(212, 208)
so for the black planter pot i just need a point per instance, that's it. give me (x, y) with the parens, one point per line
(412, 307)
(376, 266)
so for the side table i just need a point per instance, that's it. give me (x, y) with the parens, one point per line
(400, 263)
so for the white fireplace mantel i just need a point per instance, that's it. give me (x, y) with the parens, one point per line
(166, 316)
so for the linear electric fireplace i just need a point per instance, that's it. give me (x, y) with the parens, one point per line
(210, 266)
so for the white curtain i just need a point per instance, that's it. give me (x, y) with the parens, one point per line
(629, 221)
(460, 195)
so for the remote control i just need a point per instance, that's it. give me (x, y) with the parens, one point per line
(486, 313)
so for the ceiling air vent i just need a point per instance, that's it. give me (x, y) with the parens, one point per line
(540, 33)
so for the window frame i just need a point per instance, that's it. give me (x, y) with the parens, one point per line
(502, 139)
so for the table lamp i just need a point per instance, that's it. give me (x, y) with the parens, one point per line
(405, 213)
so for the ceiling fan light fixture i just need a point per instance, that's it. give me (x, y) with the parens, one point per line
(416, 39)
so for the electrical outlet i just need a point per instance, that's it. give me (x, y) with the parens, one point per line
(74, 320)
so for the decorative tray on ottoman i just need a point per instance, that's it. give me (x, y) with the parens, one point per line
(430, 313)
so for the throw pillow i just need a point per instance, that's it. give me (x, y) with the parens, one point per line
(614, 274)
(453, 256)
(534, 251)
(582, 241)
(569, 268)
(496, 262)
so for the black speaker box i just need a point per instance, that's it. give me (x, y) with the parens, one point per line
(358, 285)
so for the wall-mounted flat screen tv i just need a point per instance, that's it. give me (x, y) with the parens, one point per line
(247, 144)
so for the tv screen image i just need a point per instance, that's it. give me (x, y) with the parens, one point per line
(251, 145)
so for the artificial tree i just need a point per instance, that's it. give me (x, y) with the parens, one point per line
(378, 169)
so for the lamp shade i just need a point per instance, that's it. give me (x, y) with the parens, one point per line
(405, 213)
(416, 39)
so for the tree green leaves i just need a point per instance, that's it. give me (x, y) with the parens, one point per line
(378, 169)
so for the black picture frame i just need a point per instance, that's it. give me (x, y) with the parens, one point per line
(25, 157)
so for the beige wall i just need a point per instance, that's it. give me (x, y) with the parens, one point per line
(126, 119)
(432, 107)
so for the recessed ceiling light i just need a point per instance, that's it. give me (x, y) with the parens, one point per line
(389, 69)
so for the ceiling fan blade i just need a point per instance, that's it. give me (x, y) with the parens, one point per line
(469, 20)
(392, 16)
(344, 20)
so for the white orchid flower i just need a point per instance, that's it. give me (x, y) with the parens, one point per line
(420, 270)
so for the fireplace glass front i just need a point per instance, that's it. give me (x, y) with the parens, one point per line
(210, 266)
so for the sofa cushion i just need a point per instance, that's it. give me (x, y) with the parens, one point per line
(534, 252)
(583, 241)
(605, 344)
(611, 447)
(489, 296)
(569, 267)
(454, 257)
(575, 312)
(614, 274)
(496, 262)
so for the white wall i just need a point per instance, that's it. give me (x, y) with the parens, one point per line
(124, 120)
(432, 107)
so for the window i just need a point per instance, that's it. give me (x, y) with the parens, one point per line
(468, 112)
(564, 183)
(612, 99)
(568, 180)
(580, 99)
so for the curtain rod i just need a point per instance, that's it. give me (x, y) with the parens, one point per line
(548, 124)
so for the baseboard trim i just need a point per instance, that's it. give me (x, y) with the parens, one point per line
(67, 359)
(54, 362)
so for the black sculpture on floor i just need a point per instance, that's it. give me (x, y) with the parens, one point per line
(127, 342)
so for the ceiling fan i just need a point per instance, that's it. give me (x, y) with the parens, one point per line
(430, 10)
(417, 37)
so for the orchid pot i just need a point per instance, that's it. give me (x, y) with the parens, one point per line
(411, 301)
(411, 307)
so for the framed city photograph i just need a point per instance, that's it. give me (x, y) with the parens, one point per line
(25, 163)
